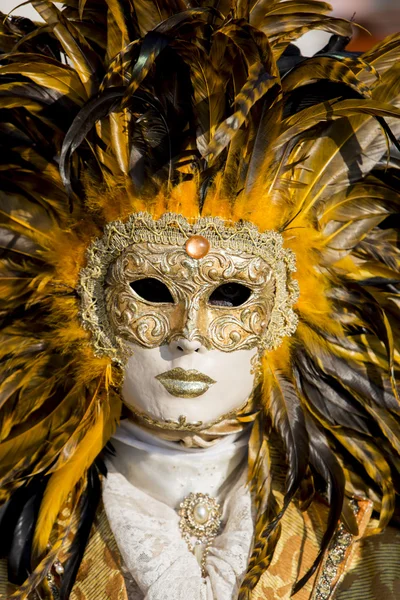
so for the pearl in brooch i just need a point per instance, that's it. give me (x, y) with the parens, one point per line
(201, 513)
(200, 519)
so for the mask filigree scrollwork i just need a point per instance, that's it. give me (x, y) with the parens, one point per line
(145, 248)
(230, 332)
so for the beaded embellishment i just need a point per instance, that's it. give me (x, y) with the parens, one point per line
(200, 519)
(336, 555)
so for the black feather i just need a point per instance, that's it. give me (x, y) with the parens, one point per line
(20, 551)
(89, 503)
(324, 462)
(337, 45)
(328, 397)
(9, 514)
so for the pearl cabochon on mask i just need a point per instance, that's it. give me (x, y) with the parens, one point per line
(197, 246)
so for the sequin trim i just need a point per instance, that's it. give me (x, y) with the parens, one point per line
(336, 555)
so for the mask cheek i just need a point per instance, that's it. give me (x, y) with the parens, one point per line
(231, 329)
(135, 321)
(151, 328)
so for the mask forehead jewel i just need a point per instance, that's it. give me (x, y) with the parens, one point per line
(197, 246)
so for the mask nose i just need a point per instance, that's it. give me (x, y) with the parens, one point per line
(183, 346)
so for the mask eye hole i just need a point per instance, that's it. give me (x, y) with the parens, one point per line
(230, 294)
(152, 290)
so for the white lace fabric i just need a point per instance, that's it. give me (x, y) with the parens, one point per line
(156, 556)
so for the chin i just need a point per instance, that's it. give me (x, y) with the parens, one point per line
(195, 390)
(179, 413)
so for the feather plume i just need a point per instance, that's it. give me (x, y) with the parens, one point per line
(89, 503)
(288, 419)
(71, 472)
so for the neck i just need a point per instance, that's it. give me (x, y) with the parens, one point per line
(169, 471)
(201, 438)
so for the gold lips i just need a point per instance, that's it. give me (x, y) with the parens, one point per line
(185, 384)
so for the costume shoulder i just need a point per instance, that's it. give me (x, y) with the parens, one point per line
(354, 566)
(357, 566)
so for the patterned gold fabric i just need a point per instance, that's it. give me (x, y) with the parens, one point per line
(375, 570)
(295, 552)
(100, 575)
(297, 549)
(3, 579)
(370, 569)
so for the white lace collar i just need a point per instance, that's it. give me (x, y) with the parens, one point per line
(146, 482)
(168, 472)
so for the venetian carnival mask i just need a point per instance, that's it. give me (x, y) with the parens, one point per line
(188, 309)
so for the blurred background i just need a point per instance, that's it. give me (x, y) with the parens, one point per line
(379, 17)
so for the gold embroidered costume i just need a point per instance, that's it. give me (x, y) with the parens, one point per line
(190, 146)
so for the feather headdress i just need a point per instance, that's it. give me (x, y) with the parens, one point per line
(200, 108)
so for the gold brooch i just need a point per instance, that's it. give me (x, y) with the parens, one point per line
(200, 519)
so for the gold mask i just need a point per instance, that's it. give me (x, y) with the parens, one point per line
(149, 282)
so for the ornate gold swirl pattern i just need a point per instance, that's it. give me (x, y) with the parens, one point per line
(183, 425)
(143, 248)
(190, 282)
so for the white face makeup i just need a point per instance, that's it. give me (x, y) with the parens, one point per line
(194, 328)
(197, 386)
(187, 309)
